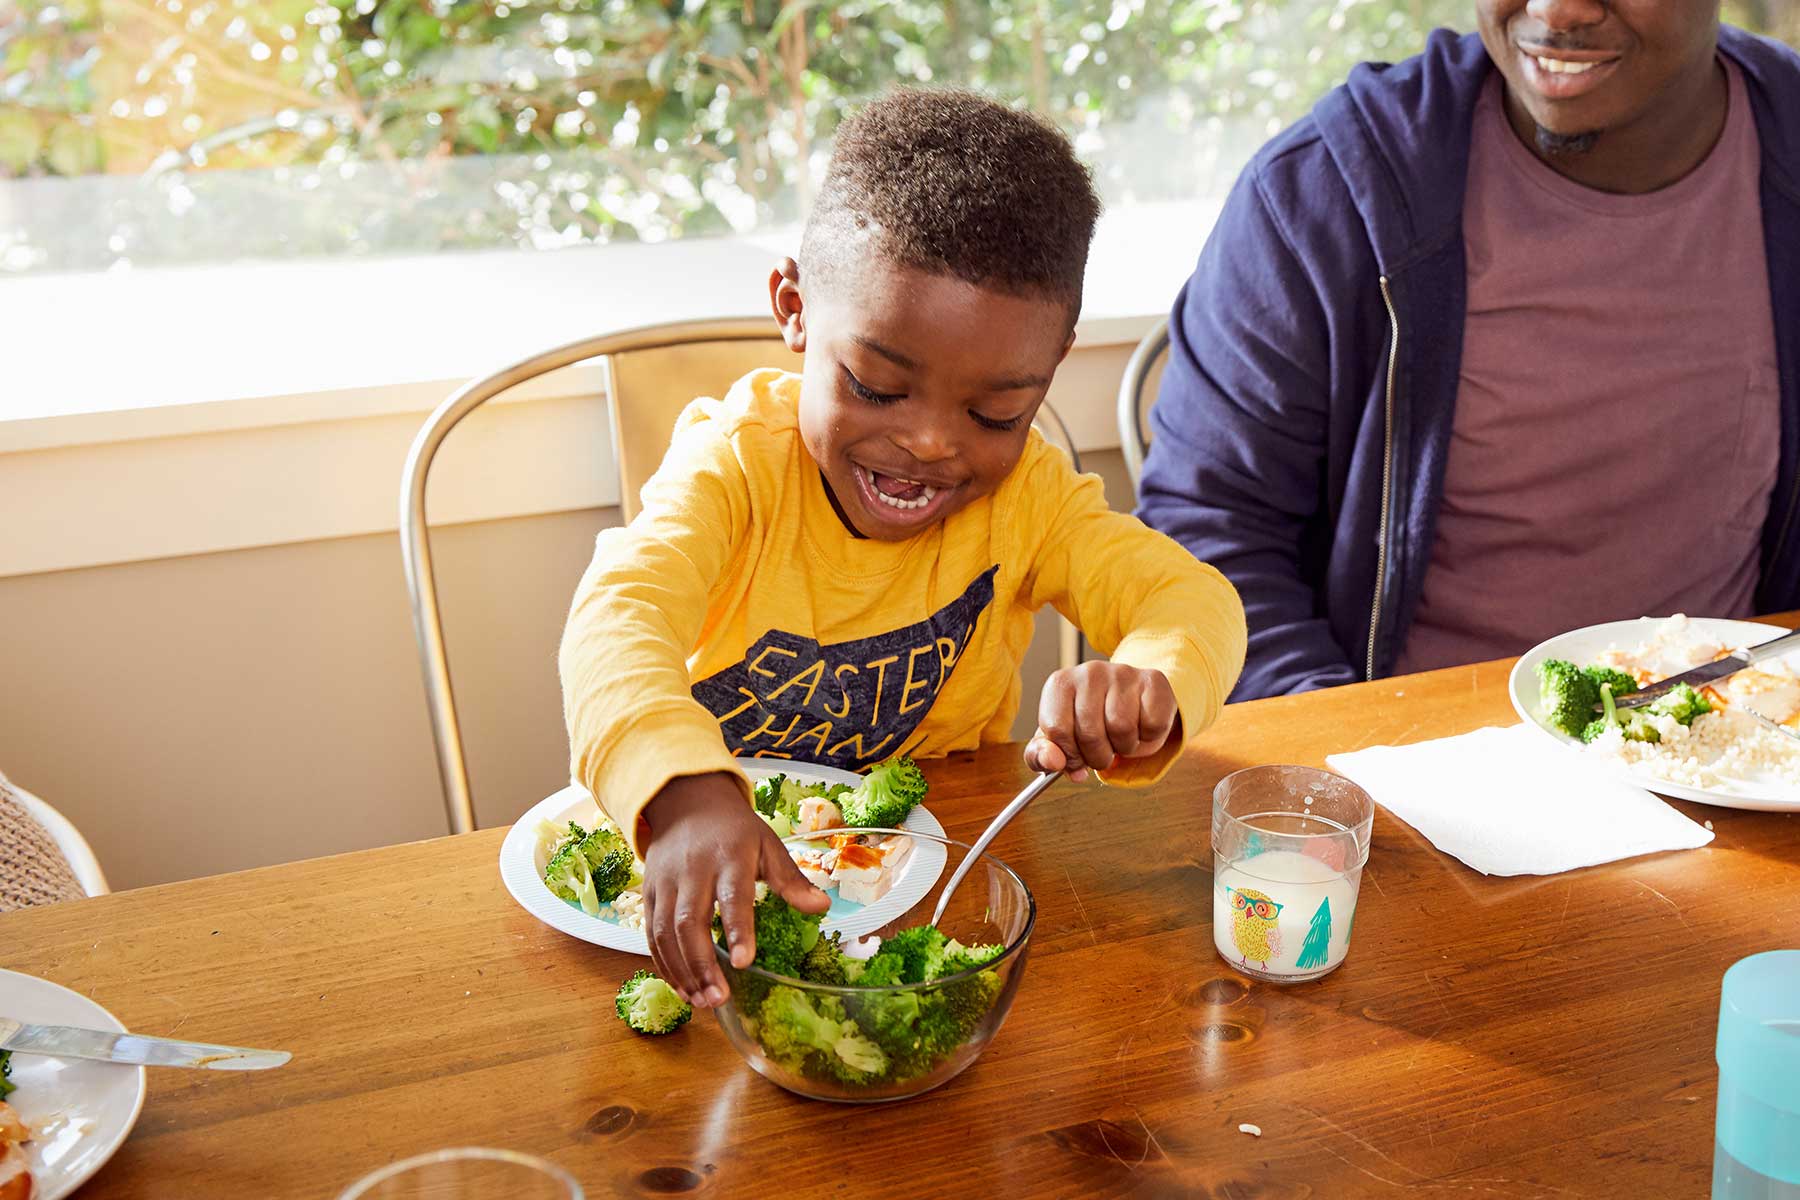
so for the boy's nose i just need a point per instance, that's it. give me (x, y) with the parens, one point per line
(926, 442)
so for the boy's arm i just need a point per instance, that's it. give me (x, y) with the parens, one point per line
(1140, 598)
(633, 721)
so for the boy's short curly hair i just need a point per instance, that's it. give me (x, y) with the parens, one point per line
(955, 183)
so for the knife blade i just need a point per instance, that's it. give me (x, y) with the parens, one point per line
(65, 1042)
(1710, 672)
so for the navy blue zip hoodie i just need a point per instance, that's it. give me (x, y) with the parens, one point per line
(1304, 419)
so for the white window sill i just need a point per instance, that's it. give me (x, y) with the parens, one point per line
(176, 411)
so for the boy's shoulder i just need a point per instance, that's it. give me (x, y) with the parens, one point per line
(765, 402)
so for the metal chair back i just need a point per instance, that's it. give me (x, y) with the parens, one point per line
(1143, 372)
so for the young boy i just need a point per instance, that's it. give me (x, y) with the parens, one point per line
(842, 565)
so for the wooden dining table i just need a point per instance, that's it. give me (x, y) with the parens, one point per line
(1510, 1037)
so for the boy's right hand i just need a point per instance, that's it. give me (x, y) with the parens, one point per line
(706, 843)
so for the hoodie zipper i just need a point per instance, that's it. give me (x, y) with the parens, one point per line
(1387, 481)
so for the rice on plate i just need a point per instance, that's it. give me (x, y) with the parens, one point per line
(1724, 756)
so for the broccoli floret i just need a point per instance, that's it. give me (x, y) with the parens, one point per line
(886, 795)
(789, 1027)
(784, 934)
(958, 958)
(920, 948)
(1681, 702)
(650, 1006)
(824, 963)
(1566, 696)
(569, 877)
(610, 862)
(888, 1017)
(7, 1086)
(854, 1058)
(764, 794)
(1622, 684)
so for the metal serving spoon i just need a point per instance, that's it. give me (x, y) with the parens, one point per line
(1032, 791)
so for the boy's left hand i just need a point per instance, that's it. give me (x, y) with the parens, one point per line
(1099, 711)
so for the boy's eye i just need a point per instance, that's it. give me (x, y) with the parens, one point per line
(995, 423)
(869, 394)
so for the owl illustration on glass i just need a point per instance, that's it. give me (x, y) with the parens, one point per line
(1253, 926)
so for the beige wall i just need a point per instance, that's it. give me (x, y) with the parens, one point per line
(209, 713)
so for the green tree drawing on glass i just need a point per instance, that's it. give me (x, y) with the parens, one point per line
(1318, 938)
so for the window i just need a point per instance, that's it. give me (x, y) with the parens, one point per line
(153, 132)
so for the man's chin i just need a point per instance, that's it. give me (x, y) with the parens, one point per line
(1562, 145)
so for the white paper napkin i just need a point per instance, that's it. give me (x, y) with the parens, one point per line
(1513, 802)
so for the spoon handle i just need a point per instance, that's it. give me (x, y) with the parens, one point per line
(1031, 792)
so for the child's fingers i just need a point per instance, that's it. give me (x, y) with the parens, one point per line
(693, 937)
(1122, 709)
(1056, 721)
(786, 881)
(1042, 754)
(737, 913)
(1090, 721)
(1157, 712)
(665, 947)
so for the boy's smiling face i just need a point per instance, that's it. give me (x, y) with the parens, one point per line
(919, 388)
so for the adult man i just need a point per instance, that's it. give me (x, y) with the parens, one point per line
(1499, 341)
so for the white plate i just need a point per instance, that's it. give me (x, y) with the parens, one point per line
(522, 864)
(1582, 646)
(80, 1111)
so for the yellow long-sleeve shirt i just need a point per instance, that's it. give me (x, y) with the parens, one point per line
(737, 616)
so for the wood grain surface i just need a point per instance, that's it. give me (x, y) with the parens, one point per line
(1486, 1037)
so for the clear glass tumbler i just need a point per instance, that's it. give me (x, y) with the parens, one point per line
(468, 1173)
(1289, 846)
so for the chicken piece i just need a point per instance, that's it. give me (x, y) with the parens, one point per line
(12, 1129)
(15, 1173)
(818, 814)
(815, 865)
(860, 876)
(1773, 693)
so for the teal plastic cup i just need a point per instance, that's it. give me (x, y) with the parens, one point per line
(1756, 1155)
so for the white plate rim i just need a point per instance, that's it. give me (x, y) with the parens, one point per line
(1522, 688)
(519, 872)
(102, 1019)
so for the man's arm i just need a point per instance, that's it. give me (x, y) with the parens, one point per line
(1236, 467)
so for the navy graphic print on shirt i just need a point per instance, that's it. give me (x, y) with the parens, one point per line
(848, 705)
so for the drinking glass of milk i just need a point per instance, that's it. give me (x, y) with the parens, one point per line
(1289, 845)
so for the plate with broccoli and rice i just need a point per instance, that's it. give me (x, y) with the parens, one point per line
(1692, 744)
(571, 867)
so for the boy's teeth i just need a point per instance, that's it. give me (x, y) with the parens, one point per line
(926, 492)
(1562, 66)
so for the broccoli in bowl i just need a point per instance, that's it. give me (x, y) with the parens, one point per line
(888, 1018)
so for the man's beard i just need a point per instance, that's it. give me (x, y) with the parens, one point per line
(1557, 144)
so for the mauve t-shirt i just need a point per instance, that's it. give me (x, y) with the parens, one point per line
(1614, 445)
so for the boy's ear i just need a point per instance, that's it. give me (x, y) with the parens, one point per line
(1067, 346)
(785, 303)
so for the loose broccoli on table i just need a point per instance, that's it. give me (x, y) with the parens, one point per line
(650, 1006)
(885, 796)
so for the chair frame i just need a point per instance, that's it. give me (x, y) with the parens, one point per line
(415, 532)
(1132, 442)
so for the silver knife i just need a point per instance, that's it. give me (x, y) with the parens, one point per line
(1711, 672)
(64, 1042)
